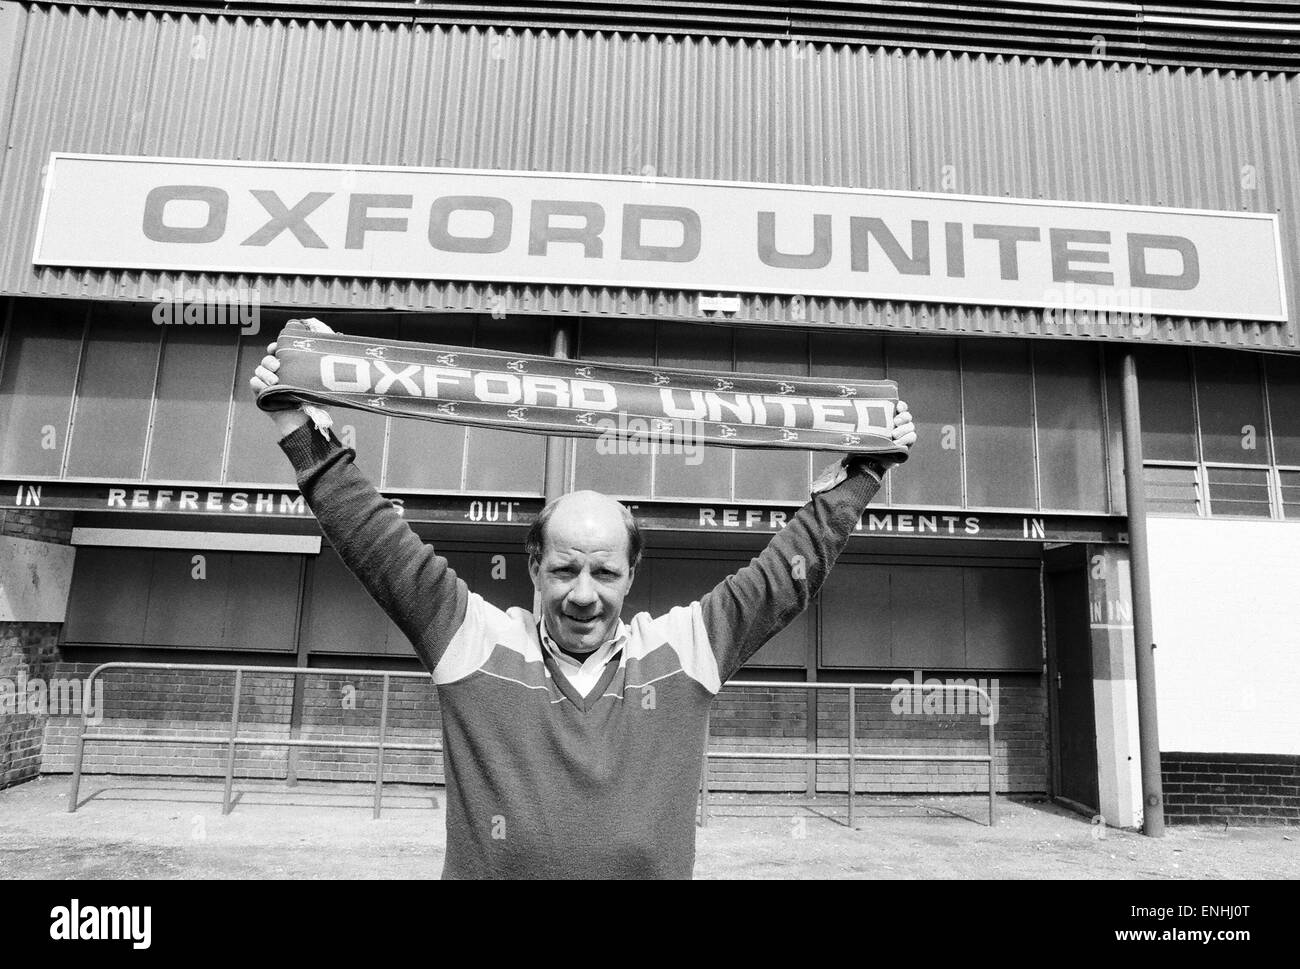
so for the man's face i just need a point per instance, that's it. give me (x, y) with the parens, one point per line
(583, 573)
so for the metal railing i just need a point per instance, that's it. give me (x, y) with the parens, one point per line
(852, 755)
(234, 740)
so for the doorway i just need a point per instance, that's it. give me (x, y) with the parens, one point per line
(1069, 673)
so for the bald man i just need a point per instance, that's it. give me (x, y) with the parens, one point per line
(572, 740)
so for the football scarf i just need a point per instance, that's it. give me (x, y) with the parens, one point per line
(578, 398)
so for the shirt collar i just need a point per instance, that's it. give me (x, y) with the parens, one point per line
(600, 654)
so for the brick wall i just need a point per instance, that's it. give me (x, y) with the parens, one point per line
(770, 719)
(759, 720)
(348, 708)
(183, 702)
(1234, 788)
(28, 650)
(40, 526)
(1020, 740)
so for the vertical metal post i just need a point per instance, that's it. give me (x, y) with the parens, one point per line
(704, 792)
(704, 779)
(81, 751)
(230, 749)
(299, 681)
(562, 342)
(853, 746)
(1153, 809)
(383, 732)
(993, 773)
(810, 701)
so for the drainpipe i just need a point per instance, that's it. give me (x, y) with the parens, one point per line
(1153, 803)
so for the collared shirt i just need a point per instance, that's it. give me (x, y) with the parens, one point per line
(584, 676)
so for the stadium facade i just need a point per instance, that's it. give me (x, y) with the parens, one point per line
(996, 209)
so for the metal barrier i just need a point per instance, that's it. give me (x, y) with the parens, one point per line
(233, 739)
(852, 755)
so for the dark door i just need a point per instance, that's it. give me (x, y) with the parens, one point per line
(1070, 681)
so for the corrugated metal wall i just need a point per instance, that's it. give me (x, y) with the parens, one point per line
(174, 84)
(1251, 34)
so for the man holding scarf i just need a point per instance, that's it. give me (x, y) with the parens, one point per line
(573, 740)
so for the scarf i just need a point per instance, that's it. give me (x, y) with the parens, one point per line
(549, 395)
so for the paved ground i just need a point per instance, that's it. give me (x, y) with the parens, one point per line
(129, 827)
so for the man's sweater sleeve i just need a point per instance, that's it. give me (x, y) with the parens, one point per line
(416, 587)
(748, 608)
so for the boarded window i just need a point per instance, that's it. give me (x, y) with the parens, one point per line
(1230, 398)
(186, 599)
(1071, 444)
(932, 636)
(195, 381)
(999, 424)
(929, 381)
(1165, 402)
(109, 596)
(1284, 406)
(114, 394)
(931, 617)
(341, 617)
(1003, 618)
(261, 611)
(856, 616)
(40, 371)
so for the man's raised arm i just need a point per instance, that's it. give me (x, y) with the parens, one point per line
(746, 609)
(416, 587)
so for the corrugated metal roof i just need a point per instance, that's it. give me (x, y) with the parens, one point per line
(151, 83)
(1215, 33)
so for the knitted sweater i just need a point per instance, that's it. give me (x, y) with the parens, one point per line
(542, 782)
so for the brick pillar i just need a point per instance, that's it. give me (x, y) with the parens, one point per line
(28, 647)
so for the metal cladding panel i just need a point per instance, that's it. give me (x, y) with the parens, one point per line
(1258, 34)
(271, 88)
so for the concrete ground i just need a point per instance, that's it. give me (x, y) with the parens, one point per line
(132, 827)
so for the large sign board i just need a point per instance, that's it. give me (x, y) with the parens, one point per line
(282, 219)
